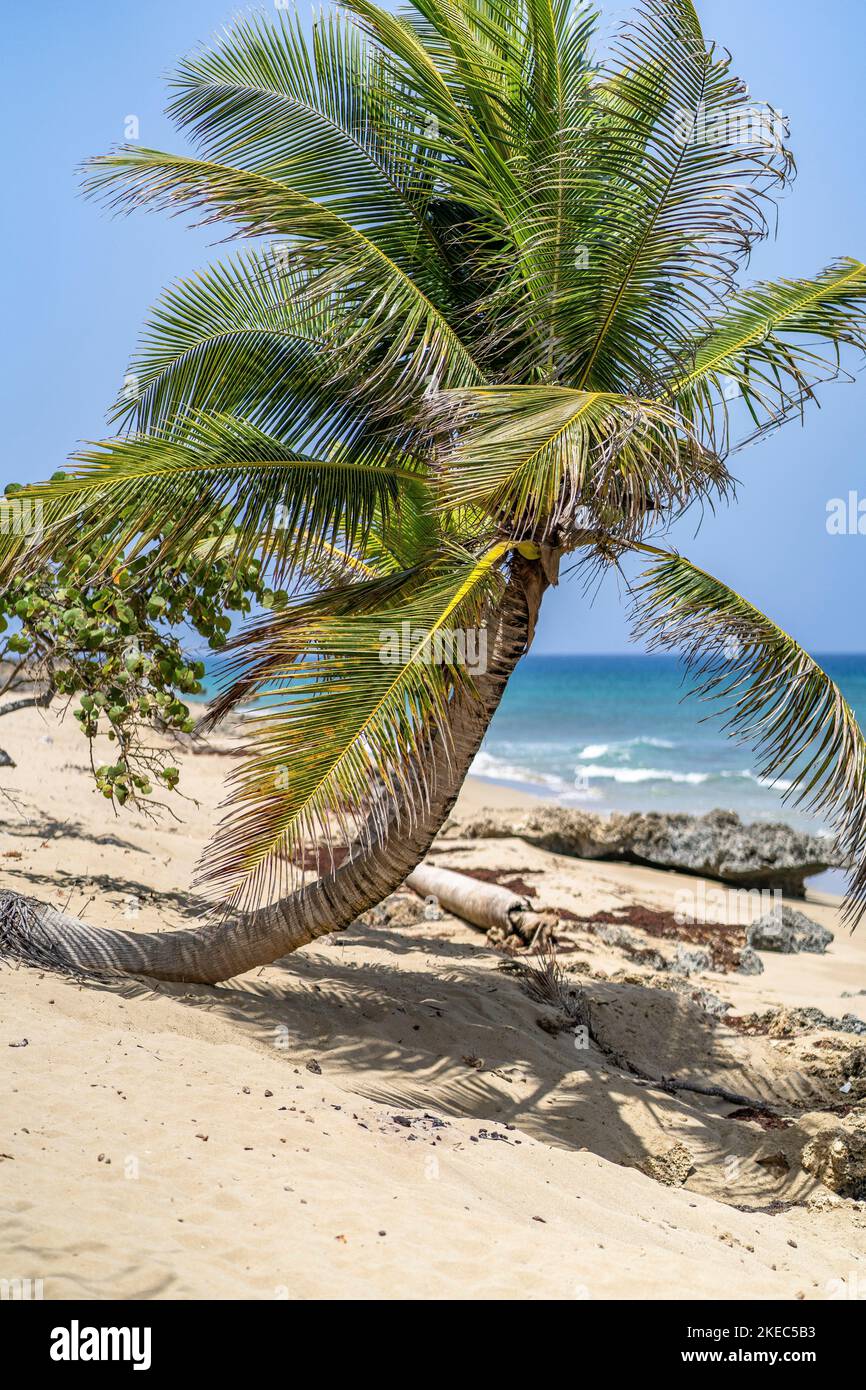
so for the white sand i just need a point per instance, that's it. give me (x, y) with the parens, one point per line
(173, 1142)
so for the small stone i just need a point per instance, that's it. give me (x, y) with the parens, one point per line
(670, 1168)
(687, 962)
(750, 962)
(838, 1160)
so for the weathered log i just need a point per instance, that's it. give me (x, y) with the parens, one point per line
(484, 905)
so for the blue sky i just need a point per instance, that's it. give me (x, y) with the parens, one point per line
(78, 283)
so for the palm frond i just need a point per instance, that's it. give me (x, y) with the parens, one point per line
(473, 166)
(542, 457)
(242, 337)
(673, 185)
(772, 696)
(774, 343)
(314, 113)
(356, 684)
(217, 475)
(333, 563)
(249, 337)
(396, 317)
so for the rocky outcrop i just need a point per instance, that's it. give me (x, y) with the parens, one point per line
(786, 1023)
(786, 930)
(717, 845)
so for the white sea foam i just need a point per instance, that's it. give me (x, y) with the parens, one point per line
(642, 774)
(500, 769)
(621, 747)
(777, 785)
(497, 769)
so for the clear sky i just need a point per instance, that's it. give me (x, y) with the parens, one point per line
(78, 283)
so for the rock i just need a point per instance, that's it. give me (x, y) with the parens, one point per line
(711, 1003)
(687, 962)
(398, 910)
(613, 935)
(717, 845)
(786, 1023)
(634, 947)
(830, 1073)
(786, 930)
(750, 962)
(670, 1168)
(837, 1158)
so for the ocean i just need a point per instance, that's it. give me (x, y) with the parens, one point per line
(620, 733)
(616, 733)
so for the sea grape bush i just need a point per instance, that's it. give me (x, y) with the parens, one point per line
(110, 644)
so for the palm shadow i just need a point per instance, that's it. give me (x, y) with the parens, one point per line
(187, 906)
(457, 1037)
(44, 827)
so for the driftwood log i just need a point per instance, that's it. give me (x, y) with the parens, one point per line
(506, 916)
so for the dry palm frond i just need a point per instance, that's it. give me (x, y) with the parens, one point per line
(535, 456)
(543, 979)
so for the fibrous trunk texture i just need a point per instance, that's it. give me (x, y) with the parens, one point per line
(40, 934)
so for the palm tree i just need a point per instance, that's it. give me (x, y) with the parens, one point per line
(490, 317)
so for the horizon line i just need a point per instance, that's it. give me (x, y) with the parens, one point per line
(673, 655)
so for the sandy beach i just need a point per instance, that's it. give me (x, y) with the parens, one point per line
(389, 1113)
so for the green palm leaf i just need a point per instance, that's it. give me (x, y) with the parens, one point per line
(218, 475)
(676, 195)
(357, 681)
(242, 337)
(315, 114)
(473, 166)
(772, 694)
(397, 317)
(774, 343)
(250, 337)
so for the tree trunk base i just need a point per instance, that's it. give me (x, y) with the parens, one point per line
(26, 935)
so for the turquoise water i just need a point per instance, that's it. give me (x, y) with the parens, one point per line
(615, 733)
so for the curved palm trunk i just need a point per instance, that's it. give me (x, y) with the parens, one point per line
(40, 934)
